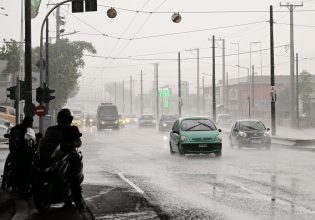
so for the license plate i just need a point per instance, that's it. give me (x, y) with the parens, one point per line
(203, 145)
(256, 141)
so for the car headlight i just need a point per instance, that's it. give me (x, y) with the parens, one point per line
(127, 120)
(266, 134)
(102, 122)
(184, 138)
(84, 120)
(242, 134)
(218, 138)
(116, 122)
(164, 124)
(91, 120)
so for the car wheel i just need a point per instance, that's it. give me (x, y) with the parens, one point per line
(171, 150)
(218, 153)
(180, 150)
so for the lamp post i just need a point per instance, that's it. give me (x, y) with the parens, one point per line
(248, 96)
(256, 42)
(238, 60)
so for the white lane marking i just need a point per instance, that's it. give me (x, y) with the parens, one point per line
(130, 183)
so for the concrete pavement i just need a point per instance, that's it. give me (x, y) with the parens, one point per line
(116, 199)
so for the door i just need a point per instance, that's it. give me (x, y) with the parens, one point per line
(174, 136)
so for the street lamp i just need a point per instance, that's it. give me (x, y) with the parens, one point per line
(248, 96)
(250, 65)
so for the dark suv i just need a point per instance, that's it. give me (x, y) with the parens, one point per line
(249, 133)
(107, 116)
(166, 122)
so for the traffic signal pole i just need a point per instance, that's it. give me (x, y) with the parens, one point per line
(28, 110)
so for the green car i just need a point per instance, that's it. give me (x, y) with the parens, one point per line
(195, 135)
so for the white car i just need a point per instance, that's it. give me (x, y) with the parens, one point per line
(3, 131)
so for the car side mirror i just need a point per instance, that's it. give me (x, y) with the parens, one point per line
(235, 129)
(6, 135)
(219, 130)
(268, 129)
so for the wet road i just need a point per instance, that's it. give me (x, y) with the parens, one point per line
(243, 184)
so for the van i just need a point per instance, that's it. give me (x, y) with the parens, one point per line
(107, 116)
(8, 113)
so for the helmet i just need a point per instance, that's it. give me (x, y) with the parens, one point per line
(64, 117)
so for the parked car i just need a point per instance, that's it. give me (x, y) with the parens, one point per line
(249, 133)
(195, 135)
(224, 120)
(8, 113)
(147, 121)
(3, 130)
(166, 122)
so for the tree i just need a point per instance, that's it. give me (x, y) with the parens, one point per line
(65, 65)
(10, 51)
(305, 90)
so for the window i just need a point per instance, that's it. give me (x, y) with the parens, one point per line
(197, 125)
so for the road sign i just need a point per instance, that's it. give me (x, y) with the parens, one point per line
(165, 92)
(40, 110)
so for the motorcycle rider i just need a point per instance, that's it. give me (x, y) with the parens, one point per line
(22, 148)
(59, 134)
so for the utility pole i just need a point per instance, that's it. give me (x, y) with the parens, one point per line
(18, 107)
(227, 91)
(214, 113)
(223, 74)
(157, 91)
(253, 87)
(57, 24)
(203, 95)
(198, 86)
(123, 96)
(179, 89)
(141, 86)
(291, 7)
(272, 76)
(131, 95)
(29, 106)
(115, 93)
(297, 93)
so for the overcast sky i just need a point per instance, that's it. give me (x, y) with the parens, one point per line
(193, 32)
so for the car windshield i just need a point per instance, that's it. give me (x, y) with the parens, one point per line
(147, 117)
(108, 111)
(251, 125)
(197, 125)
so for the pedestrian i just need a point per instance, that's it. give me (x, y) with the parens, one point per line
(22, 142)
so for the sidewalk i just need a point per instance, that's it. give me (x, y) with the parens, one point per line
(293, 137)
(113, 199)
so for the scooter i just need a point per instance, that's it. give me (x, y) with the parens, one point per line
(49, 183)
(8, 180)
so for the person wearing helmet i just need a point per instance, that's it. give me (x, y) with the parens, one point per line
(22, 143)
(68, 137)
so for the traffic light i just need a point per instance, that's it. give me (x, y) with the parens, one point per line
(90, 5)
(77, 6)
(11, 92)
(39, 94)
(47, 94)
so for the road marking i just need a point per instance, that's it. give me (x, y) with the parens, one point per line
(130, 183)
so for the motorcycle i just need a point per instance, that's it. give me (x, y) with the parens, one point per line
(49, 183)
(9, 181)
